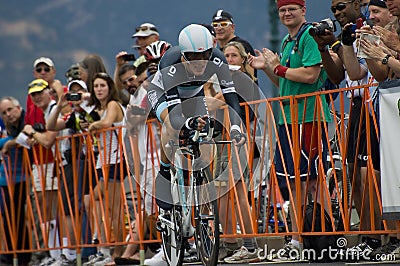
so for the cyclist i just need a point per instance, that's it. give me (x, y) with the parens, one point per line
(177, 97)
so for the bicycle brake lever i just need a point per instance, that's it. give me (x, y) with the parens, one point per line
(211, 129)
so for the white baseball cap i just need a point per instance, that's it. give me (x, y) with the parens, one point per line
(44, 60)
(146, 29)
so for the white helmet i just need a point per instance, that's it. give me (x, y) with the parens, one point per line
(195, 38)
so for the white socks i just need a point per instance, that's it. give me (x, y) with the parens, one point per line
(54, 239)
(70, 254)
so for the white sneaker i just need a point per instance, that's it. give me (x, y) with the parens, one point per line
(242, 255)
(106, 260)
(47, 261)
(157, 260)
(94, 258)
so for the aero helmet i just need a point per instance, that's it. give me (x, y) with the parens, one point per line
(195, 38)
(156, 50)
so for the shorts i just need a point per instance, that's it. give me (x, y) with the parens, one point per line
(44, 173)
(112, 171)
(308, 161)
(67, 189)
(363, 150)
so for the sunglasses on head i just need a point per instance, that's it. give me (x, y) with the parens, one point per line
(144, 28)
(40, 69)
(222, 24)
(38, 84)
(191, 56)
(340, 6)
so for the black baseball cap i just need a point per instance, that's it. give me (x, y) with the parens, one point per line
(221, 15)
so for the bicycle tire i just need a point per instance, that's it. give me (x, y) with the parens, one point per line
(206, 218)
(172, 239)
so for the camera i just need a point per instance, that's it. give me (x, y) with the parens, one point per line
(129, 57)
(319, 29)
(73, 97)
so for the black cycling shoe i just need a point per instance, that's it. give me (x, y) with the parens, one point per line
(163, 192)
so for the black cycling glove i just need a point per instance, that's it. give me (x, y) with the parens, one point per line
(237, 136)
(347, 38)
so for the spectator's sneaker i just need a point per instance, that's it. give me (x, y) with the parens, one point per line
(106, 260)
(382, 253)
(63, 261)
(47, 261)
(226, 250)
(94, 258)
(360, 252)
(242, 255)
(157, 260)
(289, 252)
(396, 252)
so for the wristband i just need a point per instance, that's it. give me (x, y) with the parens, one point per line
(335, 46)
(280, 71)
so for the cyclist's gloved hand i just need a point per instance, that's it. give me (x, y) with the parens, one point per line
(196, 123)
(238, 138)
(348, 36)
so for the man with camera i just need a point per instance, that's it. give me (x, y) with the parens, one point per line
(296, 71)
(350, 18)
(45, 185)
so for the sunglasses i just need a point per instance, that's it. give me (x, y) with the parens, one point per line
(130, 79)
(340, 6)
(40, 69)
(144, 28)
(222, 24)
(191, 56)
(38, 84)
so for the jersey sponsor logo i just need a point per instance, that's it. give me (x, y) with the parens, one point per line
(152, 96)
(228, 90)
(217, 61)
(173, 102)
(172, 96)
(227, 83)
(172, 71)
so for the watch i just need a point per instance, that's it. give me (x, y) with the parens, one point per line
(385, 60)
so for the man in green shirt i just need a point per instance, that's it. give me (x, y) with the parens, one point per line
(297, 70)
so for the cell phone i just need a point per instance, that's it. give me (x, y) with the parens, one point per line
(73, 97)
(135, 110)
(129, 57)
(359, 23)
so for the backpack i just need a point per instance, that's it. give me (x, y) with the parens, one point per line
(320, 243)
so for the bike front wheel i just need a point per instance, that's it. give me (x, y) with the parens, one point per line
(172, 237)
(206, 218)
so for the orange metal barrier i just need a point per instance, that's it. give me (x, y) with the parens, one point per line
(128, 187)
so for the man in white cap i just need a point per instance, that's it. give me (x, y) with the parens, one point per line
(145, 34)
(43, 68)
